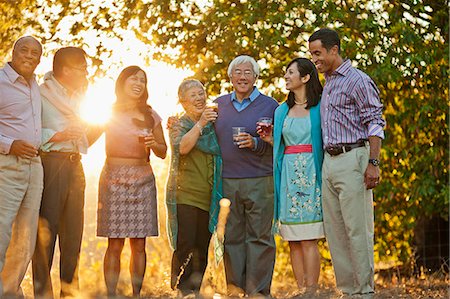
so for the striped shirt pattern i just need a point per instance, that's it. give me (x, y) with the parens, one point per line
(351, 108)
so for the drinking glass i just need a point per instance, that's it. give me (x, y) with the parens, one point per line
(236, 132)
(213, 105)
(142, 134)
(265, 123)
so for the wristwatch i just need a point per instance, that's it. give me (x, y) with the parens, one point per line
(374, 162)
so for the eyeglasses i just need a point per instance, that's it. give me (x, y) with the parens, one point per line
(246, 73)
(79, 68)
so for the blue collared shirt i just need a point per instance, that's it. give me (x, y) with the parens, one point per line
(245, 102)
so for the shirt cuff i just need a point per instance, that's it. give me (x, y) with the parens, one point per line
(376, 130)
(255, 147)
(5, 144)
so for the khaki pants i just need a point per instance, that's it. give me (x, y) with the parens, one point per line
(349, 220)
(21, 183)
(249, 245)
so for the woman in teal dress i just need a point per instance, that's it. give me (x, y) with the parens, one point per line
(298, 155)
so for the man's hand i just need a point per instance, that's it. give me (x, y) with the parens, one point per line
(371, 176)
(23, 149)
(245, 140)
(70, 133)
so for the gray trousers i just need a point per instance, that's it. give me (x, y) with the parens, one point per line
(61, 215)
(249, 245)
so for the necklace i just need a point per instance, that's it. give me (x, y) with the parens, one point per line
(302, 103)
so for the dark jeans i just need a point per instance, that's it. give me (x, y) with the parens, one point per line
(61, 215)
(192, 248)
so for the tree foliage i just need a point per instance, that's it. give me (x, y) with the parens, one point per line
(403, 46)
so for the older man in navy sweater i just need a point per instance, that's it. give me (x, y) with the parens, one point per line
(247, 182)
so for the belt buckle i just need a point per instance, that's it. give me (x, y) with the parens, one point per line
(333, 150)
(73, 158)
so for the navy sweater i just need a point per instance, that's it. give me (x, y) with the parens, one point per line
(244, 162)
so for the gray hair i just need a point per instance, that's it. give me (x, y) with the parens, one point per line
(186, 85)
(243, 59)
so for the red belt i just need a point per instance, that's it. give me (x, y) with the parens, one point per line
(299, 148)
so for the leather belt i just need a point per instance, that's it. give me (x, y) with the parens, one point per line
(127, 161)
(337, 149)
(72, 157)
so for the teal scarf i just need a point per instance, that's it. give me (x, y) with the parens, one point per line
(206, 143)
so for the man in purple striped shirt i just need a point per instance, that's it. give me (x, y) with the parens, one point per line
(352, 130)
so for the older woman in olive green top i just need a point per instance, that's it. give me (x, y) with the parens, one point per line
(193, 188)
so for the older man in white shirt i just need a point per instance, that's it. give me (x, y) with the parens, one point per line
(21, 174)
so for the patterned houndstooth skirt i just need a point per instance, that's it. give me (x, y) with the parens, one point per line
(127, 204)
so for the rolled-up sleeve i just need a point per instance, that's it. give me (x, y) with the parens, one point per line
(371, 108)
(5, 144)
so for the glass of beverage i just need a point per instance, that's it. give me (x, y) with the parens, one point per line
(142, 134)
(213, 105)
(265, 123)
(236, 132)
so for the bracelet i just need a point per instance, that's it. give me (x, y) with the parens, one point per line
(199, 127)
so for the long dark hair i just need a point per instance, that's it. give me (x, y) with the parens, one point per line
(313, 86)
(142, 106)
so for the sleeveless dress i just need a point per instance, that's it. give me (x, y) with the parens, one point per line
(127, 199)
(300, 195)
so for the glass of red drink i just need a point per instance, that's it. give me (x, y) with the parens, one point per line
(265, 124)
(142, 134)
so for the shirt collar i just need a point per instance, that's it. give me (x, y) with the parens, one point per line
(342, 70)
(255, 93)
(13, 75)
(51, 76)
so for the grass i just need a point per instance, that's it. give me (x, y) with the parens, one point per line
(390, 283)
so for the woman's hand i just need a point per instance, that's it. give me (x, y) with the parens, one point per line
(150, 141)
(265, 137)
(208, 115)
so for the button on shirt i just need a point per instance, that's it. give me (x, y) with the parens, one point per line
(350, 108)
(20, 109)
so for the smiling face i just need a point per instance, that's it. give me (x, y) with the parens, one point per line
(243, 78)
(194, 101)
(293, 79)
(76, 75)
(26, 56)
(134, 86)
(325, 60)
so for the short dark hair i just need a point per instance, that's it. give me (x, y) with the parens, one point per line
(313, 86)
(23, 38)
(328, 37)
(67, 56)
(141, 104)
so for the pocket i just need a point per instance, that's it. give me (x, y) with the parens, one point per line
(362, 157)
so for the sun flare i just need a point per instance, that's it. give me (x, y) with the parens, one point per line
(163, 81)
